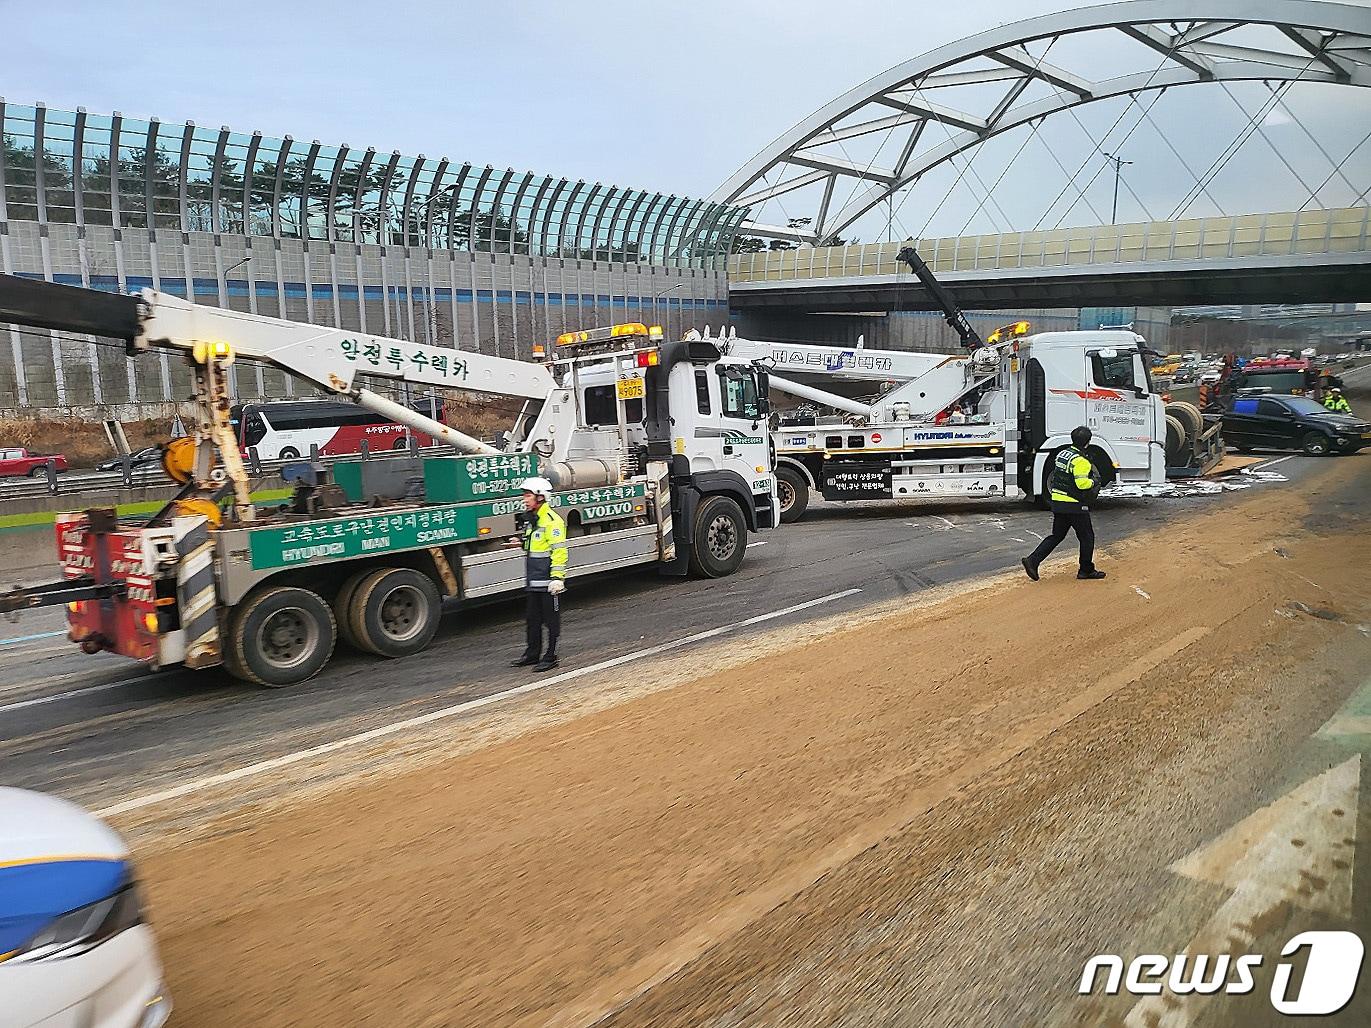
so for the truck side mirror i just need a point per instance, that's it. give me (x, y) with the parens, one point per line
(763, 391)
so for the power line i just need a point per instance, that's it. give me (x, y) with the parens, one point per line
(1184, 163)
(1303, 128)
(1155, 72)
(1117, 146)
(1267, 139)
(1239, 141)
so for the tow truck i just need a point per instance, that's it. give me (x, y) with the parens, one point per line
(214, 579)
(984, 423)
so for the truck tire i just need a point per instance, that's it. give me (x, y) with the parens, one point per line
(720, 541)
(394, 612)
(280, 636)
(1315, 444)
(342, 608)
(41, 471)
(793, 493)
(1175, 442)
(1189, 415)
(288, 453)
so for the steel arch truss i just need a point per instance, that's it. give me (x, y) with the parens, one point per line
(1190, 42)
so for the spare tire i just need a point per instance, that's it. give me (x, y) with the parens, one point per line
(1177, 446)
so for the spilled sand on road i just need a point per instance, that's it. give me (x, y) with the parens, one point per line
(587, 847)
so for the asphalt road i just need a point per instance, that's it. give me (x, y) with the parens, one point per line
(98, 729)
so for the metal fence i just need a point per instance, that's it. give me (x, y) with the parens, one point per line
(1342, 230)
(54, 482)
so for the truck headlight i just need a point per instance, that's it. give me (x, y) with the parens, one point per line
(84, 928)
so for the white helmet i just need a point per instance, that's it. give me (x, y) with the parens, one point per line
(537, 486)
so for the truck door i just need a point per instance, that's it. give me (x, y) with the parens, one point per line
(1118, 406)
(747, 447)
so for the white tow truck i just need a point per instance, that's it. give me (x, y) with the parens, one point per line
(895, 424)
(900, 424)
(215, 579)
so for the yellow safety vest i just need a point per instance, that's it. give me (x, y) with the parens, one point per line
(545, 546)
(1070, 466)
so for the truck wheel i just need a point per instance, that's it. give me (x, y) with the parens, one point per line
(720, 538)
(394, 612)
(280, 636)
(288, 453)
(794, 494)
(1315, 444)
(342, 608)
(1190, 418)
(39, 472)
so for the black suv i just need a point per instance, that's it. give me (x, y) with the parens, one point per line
(1284, 422)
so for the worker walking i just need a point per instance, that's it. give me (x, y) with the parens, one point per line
(1336, 402)
(544, 542)
(1073, 486)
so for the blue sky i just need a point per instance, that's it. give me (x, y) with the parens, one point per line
(664, 95)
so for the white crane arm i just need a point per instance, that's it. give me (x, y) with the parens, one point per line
(332, 357)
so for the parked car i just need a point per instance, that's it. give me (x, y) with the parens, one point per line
(75, 946)
(1185, 373)
(16, 462)
(1287, 422)
(148, 456)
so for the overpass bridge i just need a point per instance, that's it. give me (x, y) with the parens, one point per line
(1307, 256)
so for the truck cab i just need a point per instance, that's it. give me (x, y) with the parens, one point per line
(1101, 380)
(683, 403)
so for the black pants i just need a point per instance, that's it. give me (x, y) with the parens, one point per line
(544, 609)
(1063, 520)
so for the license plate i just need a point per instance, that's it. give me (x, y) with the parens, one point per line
(1366, 435)
(629, 389)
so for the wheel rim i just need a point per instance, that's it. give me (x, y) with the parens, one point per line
(288, 637)
(1316, 446)
(787, 492)
(722, 537)
(402, 613)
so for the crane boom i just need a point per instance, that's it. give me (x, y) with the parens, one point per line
(971, 339)
(332, 357)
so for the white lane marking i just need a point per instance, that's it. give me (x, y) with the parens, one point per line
(285, 760)
(69, 694)
(760, 542)
(1269, 859)
(31, 638)
(1273, 463)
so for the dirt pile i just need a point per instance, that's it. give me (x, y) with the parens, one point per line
(550, 877)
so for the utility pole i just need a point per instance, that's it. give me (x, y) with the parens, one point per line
(1119, 162)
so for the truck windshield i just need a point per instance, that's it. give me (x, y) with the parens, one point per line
(1116, 372)
(740, 395)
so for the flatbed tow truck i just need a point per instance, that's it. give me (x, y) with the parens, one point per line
(214, 579)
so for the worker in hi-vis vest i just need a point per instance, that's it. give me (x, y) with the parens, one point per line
(545, 557)
(1073, 486)
(1336, 402)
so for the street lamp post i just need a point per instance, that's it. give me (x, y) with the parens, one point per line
(429, 302)
(1119, 162)
(655, 319)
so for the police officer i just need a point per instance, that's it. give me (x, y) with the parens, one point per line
(1336, 402)
(1074, 484)
(544, 542)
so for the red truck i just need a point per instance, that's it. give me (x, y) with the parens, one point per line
(15, 462)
